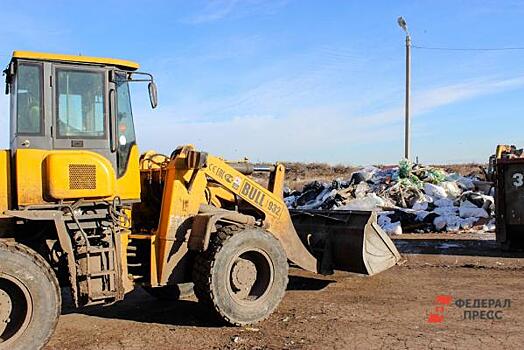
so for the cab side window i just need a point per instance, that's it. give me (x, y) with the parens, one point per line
(29, 99)
(126, 129)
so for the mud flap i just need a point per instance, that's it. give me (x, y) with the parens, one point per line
(345, 240)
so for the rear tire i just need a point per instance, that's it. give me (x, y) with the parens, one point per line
(243, 275)
(29, 298)
(171, 292)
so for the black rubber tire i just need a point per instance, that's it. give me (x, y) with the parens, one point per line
(171, 292)
(33, 273)
(211, 274)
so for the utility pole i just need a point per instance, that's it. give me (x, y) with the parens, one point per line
(407, 127)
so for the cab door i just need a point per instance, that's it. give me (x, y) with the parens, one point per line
(30, 115)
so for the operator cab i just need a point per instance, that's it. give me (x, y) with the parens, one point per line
(62, 102)
(72, 135)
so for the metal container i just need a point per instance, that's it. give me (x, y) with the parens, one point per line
(509, 200)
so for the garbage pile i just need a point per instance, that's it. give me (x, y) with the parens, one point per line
(408, 198)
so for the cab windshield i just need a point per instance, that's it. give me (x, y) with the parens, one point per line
(80, 103)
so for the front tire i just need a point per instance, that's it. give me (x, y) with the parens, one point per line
(29, 298)
(243, 275)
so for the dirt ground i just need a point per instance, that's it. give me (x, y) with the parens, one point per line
(342, 311)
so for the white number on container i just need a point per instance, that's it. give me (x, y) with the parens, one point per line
(518, 180)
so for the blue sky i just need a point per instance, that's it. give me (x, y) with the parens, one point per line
(300, 80)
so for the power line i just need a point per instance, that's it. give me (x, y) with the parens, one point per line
(467, 49)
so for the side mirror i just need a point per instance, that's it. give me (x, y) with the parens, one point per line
(153, 94)
(7, 82)
(9, 73)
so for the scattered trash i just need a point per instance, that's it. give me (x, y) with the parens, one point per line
(370, 202)
(468, 212)
(235, 339)
(489, 227)
(391, 228)
(435, 191)
(252, 329)
(408, 198)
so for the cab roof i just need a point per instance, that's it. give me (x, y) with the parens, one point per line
(29, 55)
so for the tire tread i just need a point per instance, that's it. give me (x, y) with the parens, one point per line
(203, 269)
(42, 264)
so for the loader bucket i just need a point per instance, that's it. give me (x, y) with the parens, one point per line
(346, 240)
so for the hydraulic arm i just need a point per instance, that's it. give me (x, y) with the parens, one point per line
(190, 177)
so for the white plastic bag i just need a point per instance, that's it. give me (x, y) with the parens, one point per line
(420, 205)
(451, 188)
(468, 212)
(435, 191)
(490, 226)
(370, 202)
(444, 202)
(443, 211)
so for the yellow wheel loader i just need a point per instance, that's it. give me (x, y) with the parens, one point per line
(81, 208)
